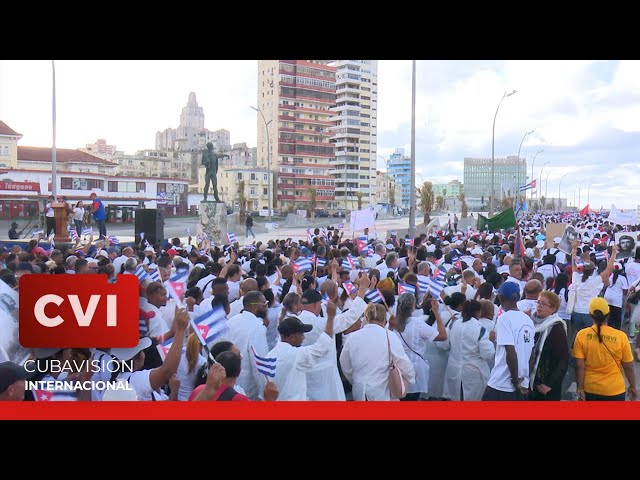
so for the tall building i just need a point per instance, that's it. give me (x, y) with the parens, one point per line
(101, 148)
(453, 189)
(354, 135)
(254, 194)
(295, 97)
(388, 192)
(477, 177)
(399, 166)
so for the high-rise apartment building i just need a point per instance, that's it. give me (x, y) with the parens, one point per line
(355, 133)
(399, 167)
(295, 98)
(508, 171)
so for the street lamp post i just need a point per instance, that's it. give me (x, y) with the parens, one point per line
(588, 191)
(532, 177)
(579, 193)
(412, 185)
(546, 185)
(560, 183)
(269, 177)
(541, 170)
(520, 148)
(493, 160)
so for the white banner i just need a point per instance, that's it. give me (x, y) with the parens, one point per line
(622, 218)
(361, 219)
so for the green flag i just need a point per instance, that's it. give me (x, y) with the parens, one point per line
(506, 219)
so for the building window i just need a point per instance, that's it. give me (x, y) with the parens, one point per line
(162, 188)
(112, 186)
(253, 176)
(253, 191)
(141, 187)
(265, 191)
(239, 175)
(66, 183)
(265, 177)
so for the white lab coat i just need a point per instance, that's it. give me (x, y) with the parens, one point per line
(246, 330)
(414, 340)
(437, 354)
(365, 362)
(324, 383)
(467, 366)
(295, 363)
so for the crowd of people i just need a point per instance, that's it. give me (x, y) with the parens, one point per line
(451, 315)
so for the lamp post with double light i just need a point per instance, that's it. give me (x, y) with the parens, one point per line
(269, 176)
(493, 160)
(520, 148)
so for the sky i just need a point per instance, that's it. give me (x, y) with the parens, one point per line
(586, 114)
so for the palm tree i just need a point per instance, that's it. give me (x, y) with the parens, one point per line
(241, 199)
(392, 196)
(426, 200)
(312, 201)
(506, 203)
(543, 202)
(465, 208)
(359, 197)
(440, 202)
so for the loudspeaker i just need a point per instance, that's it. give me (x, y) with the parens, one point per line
(150, 221)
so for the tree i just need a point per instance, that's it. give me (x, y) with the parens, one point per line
(426, 200)
(392, 196)
(465, 207)
(553, 205)
(506, 203)
(543, 202)
(359, 197)
(440, 202)
(242, 199)
(312, 201)
(444, 192)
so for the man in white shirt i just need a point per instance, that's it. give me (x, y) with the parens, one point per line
(390, 265)
(127, 253)
(514, 343)
(247, 330)
(248, 285)
(532, 290)
(515, 275)
(372, 261)
(295, 361)
(156, 298)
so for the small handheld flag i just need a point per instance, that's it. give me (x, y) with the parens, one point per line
(266, 366)
(210, 325)
(232, 237)
(406, 288)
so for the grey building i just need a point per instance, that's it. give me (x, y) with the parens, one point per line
(509, 172)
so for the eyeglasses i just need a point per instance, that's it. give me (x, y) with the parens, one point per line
(543, 304)
(259, 303)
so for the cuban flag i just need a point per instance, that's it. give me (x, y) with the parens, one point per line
(602, 255)
(323, 232)
(408, 242)
(50, 238)
(42, 395)
(458, 263)
(320, 262)
(276, 226)
(176, 286)
(188, 232)
(210, 325)
(436, 287)
(87, 231)
(73, 234)
(393, 233)
(114, 240)
(303, 264)
(423, 283)
(440, 274)
(266, 366)
(528, 186)
(140, 273)
(362, 244)
(164, 347)
(406, 288)
(154, 275)
(349, 287)
(340, 226)
(374, 296)
(232, 237)
(202, 252)
(147, 244)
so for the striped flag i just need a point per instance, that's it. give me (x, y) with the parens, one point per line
(232, 237)
(602, 255)
(37, 232)
(164, 347)
(349, 287)
(319, 261)
(50, 237)
(362, 244)
(393, 233)
(340, 226)
(406, 288)
(140, 273)
(266, 366)
(528, 186)
(303, 264)
(87, 231)
(374, 296)
(176, 286)
(423, 283)
(42, 395)
(114, 240)
(210, 325)
(154, 275)
(408, 242)
(73, 234)
(276, 226)
(458, 264)
(436, 287)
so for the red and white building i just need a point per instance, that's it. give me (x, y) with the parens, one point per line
(26, 182)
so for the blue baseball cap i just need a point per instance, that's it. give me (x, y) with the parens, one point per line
(510, 291)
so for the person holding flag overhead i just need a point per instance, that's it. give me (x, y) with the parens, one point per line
(293, 361)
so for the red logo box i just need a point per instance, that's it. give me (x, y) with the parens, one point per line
(78, 311)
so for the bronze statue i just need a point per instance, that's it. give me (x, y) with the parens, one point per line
(210, 161)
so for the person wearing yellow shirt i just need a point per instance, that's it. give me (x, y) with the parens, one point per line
(602, 354)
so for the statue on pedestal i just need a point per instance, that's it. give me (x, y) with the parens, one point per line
(210, 162)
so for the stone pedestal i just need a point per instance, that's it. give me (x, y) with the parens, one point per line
(61, 213)
(213, 221)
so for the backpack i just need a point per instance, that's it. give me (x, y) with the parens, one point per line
(227, 395)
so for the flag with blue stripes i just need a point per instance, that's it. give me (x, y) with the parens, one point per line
(232, 237)
(114, 240)
(602, 255)
(37, 232)
(406, 288)
(393, 233)
(349, 287)
(303, 264)
(140, 273)
(436, 287)
(164, 347)
(374, 296)
(73, 234)
(210, 325)
(276, 226)
(362, 244)
(266, 366)
(423, 283)
(154, 275)
(87, 231)
(320, 262)
(340, 226)
(408, 242)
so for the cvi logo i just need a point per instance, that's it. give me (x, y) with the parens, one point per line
(78, 311)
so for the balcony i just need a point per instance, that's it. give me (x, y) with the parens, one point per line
(305, 198)
(325, 121)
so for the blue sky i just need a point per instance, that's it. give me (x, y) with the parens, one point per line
(586, 114)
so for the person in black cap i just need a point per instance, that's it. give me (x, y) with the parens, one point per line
(12, 382)
(13, 231)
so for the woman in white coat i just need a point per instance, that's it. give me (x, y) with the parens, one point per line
(365, 357)
(467, 370)
(414, 334)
